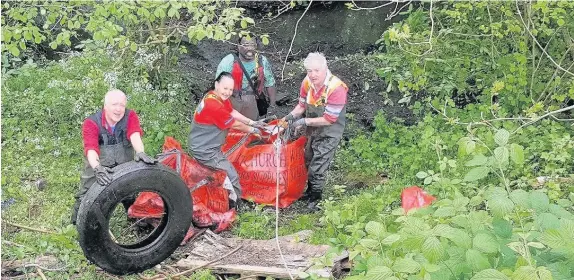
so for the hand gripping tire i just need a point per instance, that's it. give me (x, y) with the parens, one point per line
(97, 206)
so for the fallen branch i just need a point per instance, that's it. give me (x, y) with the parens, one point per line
(293, 39)
(204, 265)
(29, 228)
(544, 116)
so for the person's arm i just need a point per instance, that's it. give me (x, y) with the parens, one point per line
(241, 127)
(297, 111)
(269, 81)
(90, 136)
(137, 142)
(93, 158)
(135, 131)
(240, 117)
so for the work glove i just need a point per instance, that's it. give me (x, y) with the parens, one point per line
(255, 131)
(257, 124)
(298, 123)
(103, 176)
(289, 118)
(142, 156)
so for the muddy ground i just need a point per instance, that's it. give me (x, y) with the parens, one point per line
(347, 38)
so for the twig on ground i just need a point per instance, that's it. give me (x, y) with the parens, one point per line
(45, 268)
(204, 265)
(28, 228)
(41, 273)
(293, 39)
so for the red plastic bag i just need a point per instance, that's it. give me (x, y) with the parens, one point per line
(257, 168)
(210, 202)
(415, 197)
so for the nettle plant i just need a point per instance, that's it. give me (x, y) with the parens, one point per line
(496, 233)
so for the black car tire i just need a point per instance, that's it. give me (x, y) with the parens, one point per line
(97, 206)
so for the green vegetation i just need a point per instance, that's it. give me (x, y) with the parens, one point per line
(490, 84)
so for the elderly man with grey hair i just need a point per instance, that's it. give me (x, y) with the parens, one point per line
(111, 136)
(321, 111)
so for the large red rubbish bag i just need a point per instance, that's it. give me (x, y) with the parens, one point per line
(257, 168)
(414, 197)
(210, 202)
(256, 163)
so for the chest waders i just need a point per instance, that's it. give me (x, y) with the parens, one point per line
(322, 141)
(115, 149)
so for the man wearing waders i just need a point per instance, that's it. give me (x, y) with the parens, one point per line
(322, 100)
(213, 118)
(254, 84)
(111, 137)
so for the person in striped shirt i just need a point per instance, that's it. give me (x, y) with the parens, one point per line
(321, 112)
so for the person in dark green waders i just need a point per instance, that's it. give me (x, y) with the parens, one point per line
(111, 136)
(321, 112)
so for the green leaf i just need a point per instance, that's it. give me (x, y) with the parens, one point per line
(369, 243)
(476, 173)
(133, 46)
(422, 174)
(477, 160)
(525, 273)
(543, 273)
(500, 206)
(389, 240)
(502, 227)
(428, 180)
(501, 155)
(501, 137)
(516, 153)
(265, 40)
(432, 249)
(460, 202)
(406, 265)
(375, 228)
(477, 260)
(243, 24)
(485, 243)
(539, 201)
(490, 274)
(378, 273)
(444, 212)
(553, 238)
(13, 49)
(520, 197)
(53, 45)
(560, 22)
(546, 221)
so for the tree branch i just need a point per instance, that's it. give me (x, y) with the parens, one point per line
(293, 40)
(537, 43)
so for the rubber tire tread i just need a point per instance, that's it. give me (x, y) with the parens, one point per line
(99, 203)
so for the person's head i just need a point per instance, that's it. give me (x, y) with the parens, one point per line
(115, 105)
(223, 86)
(247, 47)
(316, 66)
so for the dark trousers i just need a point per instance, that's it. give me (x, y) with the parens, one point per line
(319, 153)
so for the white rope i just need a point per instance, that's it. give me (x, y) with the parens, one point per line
(278, 145)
